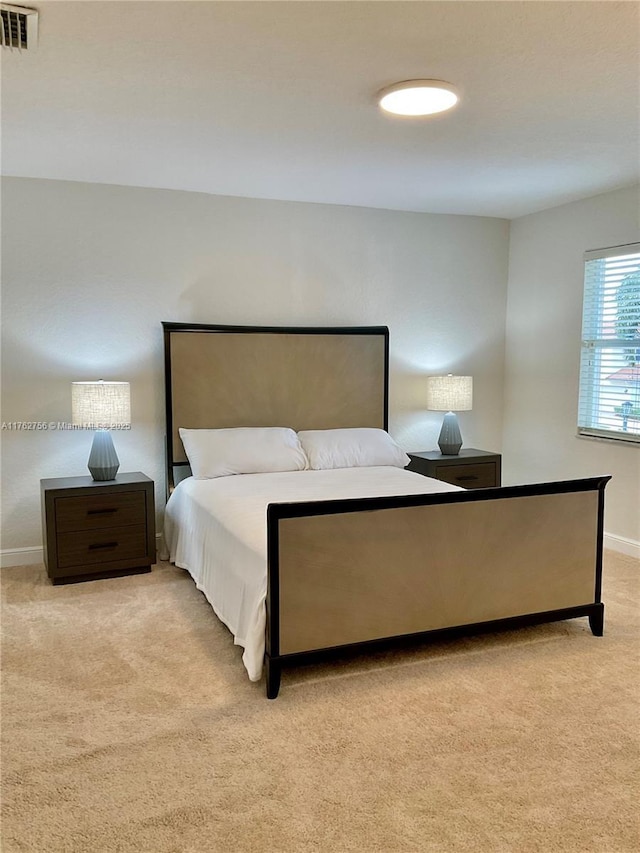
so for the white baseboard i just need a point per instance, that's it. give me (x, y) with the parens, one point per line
(33, 556)
(20, 557)
(623, 545)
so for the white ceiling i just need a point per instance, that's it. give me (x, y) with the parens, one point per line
(276, 100)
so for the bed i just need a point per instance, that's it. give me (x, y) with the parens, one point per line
(301, 563)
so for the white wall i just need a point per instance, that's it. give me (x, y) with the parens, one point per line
(544, 324)
(89, 271)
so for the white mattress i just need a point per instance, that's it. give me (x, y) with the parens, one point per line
(216, 530)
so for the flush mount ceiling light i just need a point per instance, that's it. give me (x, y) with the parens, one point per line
(418, 97)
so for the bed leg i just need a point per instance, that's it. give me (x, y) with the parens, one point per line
(596, 620)
(273, 671)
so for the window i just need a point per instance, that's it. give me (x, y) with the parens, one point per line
(609, 404)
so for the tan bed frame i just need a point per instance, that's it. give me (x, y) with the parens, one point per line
(372, 571)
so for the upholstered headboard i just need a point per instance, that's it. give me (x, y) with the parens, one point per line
(299, 377)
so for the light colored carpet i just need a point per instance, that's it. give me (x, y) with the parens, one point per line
(129, 725)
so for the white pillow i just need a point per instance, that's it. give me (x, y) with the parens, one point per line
(245, 450)
(351, 448)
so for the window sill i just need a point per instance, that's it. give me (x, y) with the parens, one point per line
(610, 439)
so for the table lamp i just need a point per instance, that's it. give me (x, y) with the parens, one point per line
(449, 394)
(101, 406)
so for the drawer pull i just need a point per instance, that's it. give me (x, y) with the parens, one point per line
(102, 511)
(103, 545)
(466, 477)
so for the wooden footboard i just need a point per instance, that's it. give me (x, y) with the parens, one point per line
(352, 572)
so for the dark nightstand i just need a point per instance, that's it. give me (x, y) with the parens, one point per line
(471, 469)
(95, 529)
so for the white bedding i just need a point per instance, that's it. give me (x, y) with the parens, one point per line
(216, 529)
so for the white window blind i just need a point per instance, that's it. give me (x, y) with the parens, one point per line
(609, 402)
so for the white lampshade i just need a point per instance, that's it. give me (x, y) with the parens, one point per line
(449, 393)
(100, 405)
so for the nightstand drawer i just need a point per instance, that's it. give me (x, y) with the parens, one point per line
(479, 476)
(89, 512)
(89, 547)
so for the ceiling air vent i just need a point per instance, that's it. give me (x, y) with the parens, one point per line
(19, 27)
